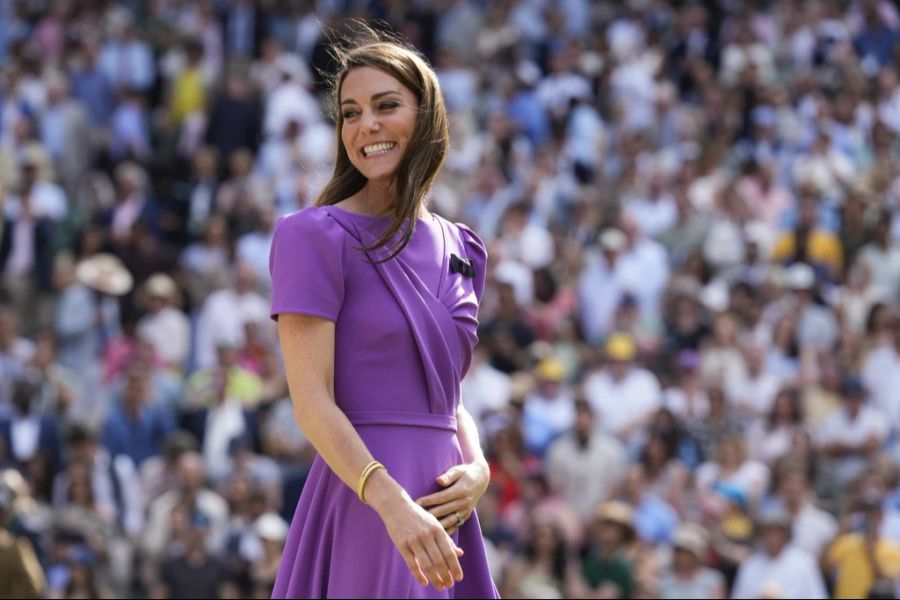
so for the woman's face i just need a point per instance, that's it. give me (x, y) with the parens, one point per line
(379, 116)
(784, 408)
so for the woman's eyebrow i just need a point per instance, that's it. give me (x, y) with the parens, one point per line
(374, 97)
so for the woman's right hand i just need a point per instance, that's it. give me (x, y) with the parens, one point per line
(426, 547)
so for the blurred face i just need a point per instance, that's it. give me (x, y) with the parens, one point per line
(544, 539)
(610, 535)
(784, 410)
(684, 560)
(584, 422)
(379, 116)
(773, 540)
(793, 488)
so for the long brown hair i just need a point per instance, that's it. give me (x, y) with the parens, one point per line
(428, 144)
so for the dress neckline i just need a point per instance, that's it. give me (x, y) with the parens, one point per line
(374, 218)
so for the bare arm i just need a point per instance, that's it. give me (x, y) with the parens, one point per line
(308, 346)
(469, 440)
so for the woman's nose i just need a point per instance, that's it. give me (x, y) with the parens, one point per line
(370, 121)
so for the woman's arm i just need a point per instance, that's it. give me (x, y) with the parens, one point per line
(464, 483)
(469, 440)
(308, 346)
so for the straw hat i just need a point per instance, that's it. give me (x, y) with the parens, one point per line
(104, 273)
(692, 538)
(160, 285)
(620, 513)
(271, 527)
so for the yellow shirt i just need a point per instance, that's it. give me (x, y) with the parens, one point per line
(853, 572)
(822, 247)
(188, 94)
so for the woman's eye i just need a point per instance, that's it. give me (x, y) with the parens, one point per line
(349, 114)
(388, 105)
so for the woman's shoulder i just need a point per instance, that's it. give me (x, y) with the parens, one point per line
(312, 224)
(308, 218)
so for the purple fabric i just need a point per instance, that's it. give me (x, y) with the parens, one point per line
(404, 333)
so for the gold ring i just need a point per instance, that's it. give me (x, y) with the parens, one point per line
(458, 520)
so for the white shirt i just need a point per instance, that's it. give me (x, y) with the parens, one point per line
(814, 529)
(839, 428)
(25, 434)
(645, 272)
(223, 423)
(585, 476)
(620, 403)
(881, 376)
(253, 248)
(791, 574)
(885, 267)
(601, 287)
(223, 317)
(533, 246)
(653, 215)
(695, 407)
(485, 389)
(753, 393)
(170, 333)
(752, 477)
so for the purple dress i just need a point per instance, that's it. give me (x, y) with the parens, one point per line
(404, 333)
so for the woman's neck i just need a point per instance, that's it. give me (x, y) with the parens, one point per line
(377, 198)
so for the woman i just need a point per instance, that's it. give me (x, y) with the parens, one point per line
(781, 431)
(376, 300)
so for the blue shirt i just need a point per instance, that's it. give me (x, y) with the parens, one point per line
(138, 438)
(92, 88)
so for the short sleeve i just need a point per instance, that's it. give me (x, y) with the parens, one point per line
(306, 263)
(476, 252)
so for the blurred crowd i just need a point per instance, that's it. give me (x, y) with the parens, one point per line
(688, 376)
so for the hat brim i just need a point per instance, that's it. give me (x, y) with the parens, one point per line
(114, 282)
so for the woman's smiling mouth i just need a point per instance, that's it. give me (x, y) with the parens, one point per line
(373, 150)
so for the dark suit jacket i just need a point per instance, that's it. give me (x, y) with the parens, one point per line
(49, 443)
(44, 250)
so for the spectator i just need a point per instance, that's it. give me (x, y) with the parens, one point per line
(778, 568)
(585, 465)
(860, 560)
(624, 395)
(688, 577)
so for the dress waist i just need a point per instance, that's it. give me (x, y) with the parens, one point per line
(399, 417)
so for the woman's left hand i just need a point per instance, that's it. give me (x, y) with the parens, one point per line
(464, 485)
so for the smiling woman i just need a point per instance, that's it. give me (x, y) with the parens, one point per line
(393, 135)
(377, 300)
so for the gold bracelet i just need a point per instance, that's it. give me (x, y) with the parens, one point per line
(364, 477)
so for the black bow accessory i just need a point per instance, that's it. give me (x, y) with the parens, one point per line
(461, 265)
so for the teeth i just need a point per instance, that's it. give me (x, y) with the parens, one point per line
(376, 148)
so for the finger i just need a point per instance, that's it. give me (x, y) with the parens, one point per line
(441, 567)
(450, 524)
(426, 565)
(460, 506)
(410, 557)
(447, 548)
(450, 476)
(441, 497)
